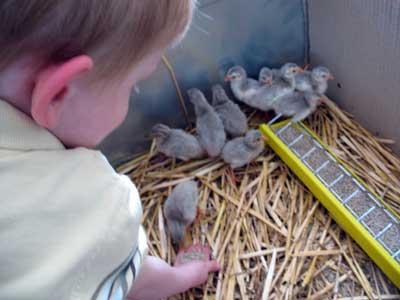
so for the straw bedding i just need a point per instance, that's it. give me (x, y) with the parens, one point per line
(271, 236)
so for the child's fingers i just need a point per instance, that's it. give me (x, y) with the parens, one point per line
(195, 273)
(213, 266)
(193, 266)
(157, 279)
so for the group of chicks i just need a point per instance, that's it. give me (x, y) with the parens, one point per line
(289, 91)
(214, 122)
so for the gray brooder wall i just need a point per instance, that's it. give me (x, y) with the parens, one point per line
(251, 33)
(360, 41)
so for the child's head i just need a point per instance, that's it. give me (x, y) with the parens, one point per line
(71, 64)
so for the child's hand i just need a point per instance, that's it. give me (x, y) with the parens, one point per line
(158, 280)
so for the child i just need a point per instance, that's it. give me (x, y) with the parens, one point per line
(69, 225)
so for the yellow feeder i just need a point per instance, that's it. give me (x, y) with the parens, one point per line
(352, 204)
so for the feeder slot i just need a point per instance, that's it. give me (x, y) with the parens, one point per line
(284, 127)
(367, 213)
(351, 196)
(383, 231)
(309, 153)
(296, 140)
(336, 180)
(322, 166)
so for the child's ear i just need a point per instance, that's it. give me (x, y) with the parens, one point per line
(52, 87)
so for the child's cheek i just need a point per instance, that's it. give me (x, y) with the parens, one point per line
(147, 71)
(121, 110)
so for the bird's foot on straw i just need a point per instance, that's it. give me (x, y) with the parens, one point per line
(231, 174)
(200, 214)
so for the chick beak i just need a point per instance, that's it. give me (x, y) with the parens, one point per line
(301, 70)
(266, 81)
(264, 138)
(305, 68)
(330, 77)
(227, 78)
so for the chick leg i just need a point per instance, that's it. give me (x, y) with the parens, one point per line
(231, 174)
(183, 244)
(200, 214)
(187, 240)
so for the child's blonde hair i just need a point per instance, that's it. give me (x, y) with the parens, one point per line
(119, 33)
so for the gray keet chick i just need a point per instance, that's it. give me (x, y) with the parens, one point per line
(270, 76)
(283, 83)
(241, 151)
(177, 143)
(180, 209)
(321, 76)
(243, 88)
(234, 120)
(266, 76)
(315, 81)
(297, 105)
(288, 73)
(210, 129)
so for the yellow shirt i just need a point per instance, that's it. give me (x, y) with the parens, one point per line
(69, 224)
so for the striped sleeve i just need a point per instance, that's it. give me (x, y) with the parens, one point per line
(118, 284)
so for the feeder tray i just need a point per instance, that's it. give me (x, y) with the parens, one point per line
(360, 212)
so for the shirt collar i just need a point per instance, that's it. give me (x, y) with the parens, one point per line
(20, 132)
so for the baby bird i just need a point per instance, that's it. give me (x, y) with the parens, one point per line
(241, 151)
(243, 88)
(180, 209)
(266, 76)
(320, 76)
(315, 81)
(288, 73)
(283, 84)
(297, 105)
(234, 120)
(210, 129)
(269, 76)
(177, 143)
